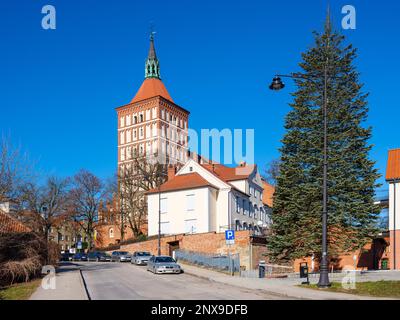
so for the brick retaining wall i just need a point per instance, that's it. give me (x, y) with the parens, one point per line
(211, 243)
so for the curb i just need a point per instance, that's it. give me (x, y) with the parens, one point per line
(236, 286)
(85, 285)
(279, 294)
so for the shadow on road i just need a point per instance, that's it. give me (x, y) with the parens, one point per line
(98, 266)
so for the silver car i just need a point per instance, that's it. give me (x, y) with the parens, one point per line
(140, 257)
(163, 264)
(121, 256)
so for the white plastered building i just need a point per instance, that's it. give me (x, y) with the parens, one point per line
(208, 197)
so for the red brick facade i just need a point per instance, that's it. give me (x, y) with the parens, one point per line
(395, 235)
(373, 256)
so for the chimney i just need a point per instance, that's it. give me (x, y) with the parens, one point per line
(171, 172)
(195, 156)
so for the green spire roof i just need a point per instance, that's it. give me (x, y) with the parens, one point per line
(152, 66)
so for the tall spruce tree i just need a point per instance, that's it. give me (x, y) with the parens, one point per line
(297, 225)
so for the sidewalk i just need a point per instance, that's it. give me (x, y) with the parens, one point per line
(69, 286)
(281, 287)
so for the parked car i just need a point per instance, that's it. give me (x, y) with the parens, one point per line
(98, 256)
(121, 256)
(140, 257)
(66, 257)
(163, 264)
(80, 256)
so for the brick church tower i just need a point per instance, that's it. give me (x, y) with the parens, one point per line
(152, 123)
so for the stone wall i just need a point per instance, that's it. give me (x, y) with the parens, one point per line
(208, 243)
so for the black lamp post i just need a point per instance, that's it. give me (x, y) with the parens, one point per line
(276, 85)
(159, 212)
(159, 219)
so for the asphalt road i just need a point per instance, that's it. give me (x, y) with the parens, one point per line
(124, 281)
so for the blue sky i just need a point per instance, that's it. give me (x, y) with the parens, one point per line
(59, 88)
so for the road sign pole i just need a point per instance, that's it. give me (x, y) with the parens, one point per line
(230, 240)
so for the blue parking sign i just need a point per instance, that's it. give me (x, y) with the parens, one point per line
(229, 235)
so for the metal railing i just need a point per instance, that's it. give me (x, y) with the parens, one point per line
(227, 263)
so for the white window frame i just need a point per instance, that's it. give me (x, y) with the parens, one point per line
(190, 206)
(165, 227)
(193, 224)
(163, 205)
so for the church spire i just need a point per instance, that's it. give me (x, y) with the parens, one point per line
(152, 66)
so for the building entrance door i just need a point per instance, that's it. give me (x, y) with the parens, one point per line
(172, 247)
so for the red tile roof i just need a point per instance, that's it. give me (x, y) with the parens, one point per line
(150, 88)
(183, 181)
(194, 180)
(229, 174)
(393, 165)
(268, 194)
(9, 224)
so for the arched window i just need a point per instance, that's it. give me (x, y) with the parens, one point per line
(111, 233)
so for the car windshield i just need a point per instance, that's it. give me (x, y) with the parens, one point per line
(123, 252)
(164, 259)
(142, 254)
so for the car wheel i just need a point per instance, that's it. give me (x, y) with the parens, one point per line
(98, 259)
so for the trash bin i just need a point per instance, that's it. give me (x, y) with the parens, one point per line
(384, 265)
(304, 272)
(261, 270)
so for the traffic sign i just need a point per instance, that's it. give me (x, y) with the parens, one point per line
(79, 245)
(230, 236)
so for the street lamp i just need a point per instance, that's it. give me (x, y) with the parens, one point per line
(276, 85)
